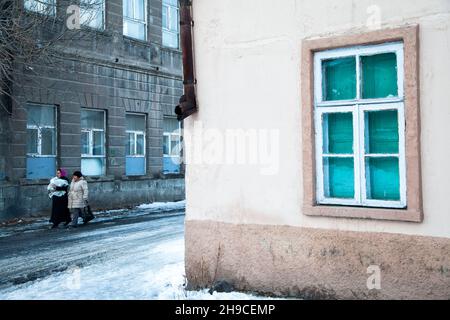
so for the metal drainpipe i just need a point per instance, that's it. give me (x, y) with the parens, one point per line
(188, 102)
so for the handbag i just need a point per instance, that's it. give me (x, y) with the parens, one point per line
(87, 214)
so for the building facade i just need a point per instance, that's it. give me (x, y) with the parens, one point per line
(342, 110)
(105, 107)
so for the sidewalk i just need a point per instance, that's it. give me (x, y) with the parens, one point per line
(30, 224)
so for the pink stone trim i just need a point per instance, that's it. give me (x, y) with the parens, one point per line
(410, 37)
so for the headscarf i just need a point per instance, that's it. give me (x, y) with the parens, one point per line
(63, 172)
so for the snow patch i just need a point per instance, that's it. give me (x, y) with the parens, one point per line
(179, 205)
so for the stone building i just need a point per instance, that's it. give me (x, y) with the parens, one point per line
(344, 108)
(106, 108)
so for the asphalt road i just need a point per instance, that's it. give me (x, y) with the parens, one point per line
(30, 254)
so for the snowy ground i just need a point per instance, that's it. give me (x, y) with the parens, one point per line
(123, 254)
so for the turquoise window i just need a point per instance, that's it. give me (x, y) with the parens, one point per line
(382, 178)
(360, 151)
(381, 131)
(379, 76)
(382, 173)
(337, 133)
(339, 79)
(339, 177)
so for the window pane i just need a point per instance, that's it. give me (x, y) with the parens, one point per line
(134, 29)
(170, 39)
(166, 145)
(85, 143)
(127, 8)
(165, 17)
(175, 145)
(32, 141)
(339, 79)
(338, 177)
(135, 122)
(40, 167)
(40, 115)
(91, 13)
(140, 10)
(337, 133)
(171, 2)
(98, 143)
(382, 178)
(41, 6)
(92, 166)
(48, 142)
(379, 76)
(130, 144)
(91, 119)
(381, 131)
(173, 19)
(135, 166)
(140, 145)
(170, 125)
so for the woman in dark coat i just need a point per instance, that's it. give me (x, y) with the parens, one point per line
(58, 189)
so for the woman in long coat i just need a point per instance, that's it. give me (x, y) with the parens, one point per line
(78, 197)
(58, 193)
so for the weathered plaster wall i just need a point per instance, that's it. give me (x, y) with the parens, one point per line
(248, 57)
(316, 264)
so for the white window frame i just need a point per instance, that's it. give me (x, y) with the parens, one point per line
(103, 13)
(90, 132)
(177, 132)
(144, 22)
(136, 133)
(170, 9)
(39, 154)
(42, 8)
(357, 107)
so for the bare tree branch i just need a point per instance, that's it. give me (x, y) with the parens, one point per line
(34, 31)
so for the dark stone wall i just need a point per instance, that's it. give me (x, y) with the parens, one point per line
(99, 70)
(29, 198)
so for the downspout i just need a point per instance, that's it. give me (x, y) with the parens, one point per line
(188, 102)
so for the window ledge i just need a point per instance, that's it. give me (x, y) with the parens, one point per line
(99, 178)
(409, 215)
(171, 49)
(136, 178)
(136, 40)
(172, 175)
(34, 182)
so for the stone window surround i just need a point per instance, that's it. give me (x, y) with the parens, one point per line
(409, 35)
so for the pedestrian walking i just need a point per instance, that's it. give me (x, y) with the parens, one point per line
(78, 197)
(57, 191)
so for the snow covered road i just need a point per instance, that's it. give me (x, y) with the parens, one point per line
(136, 254)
